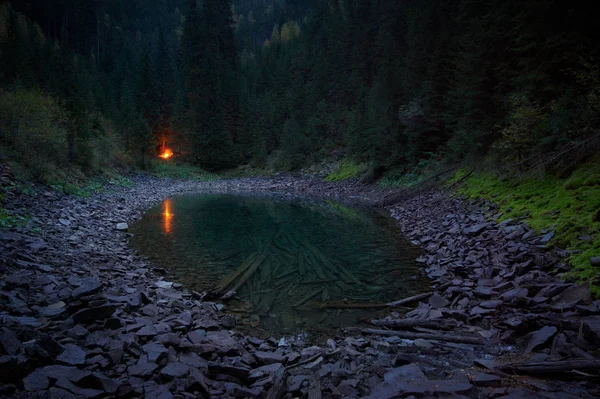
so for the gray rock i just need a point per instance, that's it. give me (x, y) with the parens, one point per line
(175, 370)
(142, 369)
(407, 373)
(156, 352)
(154, 391)
(72, 355)
(591, 329)
(192, 360)
(438, 302)
(196, 382)
(264, 358)
(547, 237)
(539, 337)
(595, 261)
(485, 380)
(69, 373)
(88, 286)
(197, 336)
(475, 229)
(146, 331)
(572, 296)
(515, 294)
(36, 381)
(57, 393)
(9, 343)
(238, 372)
(122, 226)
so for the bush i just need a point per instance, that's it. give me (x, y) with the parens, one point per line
(33, 130)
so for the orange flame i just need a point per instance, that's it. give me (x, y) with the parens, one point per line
(167, 216)
(166, 154)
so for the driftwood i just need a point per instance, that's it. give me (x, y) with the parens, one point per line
(409, 300)
(411, 323)
(312, 359)
(278, 388)
(563, 368)
(405, 301)
(461, 339)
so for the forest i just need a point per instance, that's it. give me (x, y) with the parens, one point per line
(283, 84)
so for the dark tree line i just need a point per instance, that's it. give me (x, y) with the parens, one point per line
(397, 82)
(285, 83)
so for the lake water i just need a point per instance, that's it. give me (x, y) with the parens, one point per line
(293, 256)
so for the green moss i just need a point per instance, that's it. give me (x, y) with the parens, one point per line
(567, 206)
(8, 220)
(345, 170)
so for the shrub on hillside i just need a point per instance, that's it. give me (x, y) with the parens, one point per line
(33, 130)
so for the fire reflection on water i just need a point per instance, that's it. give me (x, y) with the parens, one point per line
(167, 216)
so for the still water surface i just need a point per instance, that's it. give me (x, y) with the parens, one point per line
(296, 254)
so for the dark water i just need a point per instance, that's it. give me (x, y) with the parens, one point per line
(298, 255)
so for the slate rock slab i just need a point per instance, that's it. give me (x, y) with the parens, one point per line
(9, 343)
(88, 286)
(142, 369)
(175, 370)
(264, 358)
(69, 373)
(72, 355)
(540, 337)
(36, 381)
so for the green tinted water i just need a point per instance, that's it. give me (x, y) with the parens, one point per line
(297, 255)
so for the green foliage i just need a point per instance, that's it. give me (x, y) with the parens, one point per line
(345, 169)
(566, 206)
(34, 130)
(172, 170)
(121, 181)
(8, 220)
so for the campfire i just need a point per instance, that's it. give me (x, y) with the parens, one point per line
(166, 153)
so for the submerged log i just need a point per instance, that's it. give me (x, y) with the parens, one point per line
(229, 279)
(461, 339)
(251, 269)
(307, 298)
(405, 301)
(301, 265)
(563, 368)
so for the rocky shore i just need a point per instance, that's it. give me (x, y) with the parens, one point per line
(81, 315)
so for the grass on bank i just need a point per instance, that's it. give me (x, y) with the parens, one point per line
(344, 170)
(570, 207)
(172, 170)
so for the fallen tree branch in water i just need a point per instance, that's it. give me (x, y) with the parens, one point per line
(403, 324)
(562, 368)
(405, 301)
(460, 339)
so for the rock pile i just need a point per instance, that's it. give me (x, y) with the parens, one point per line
(81, 315)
